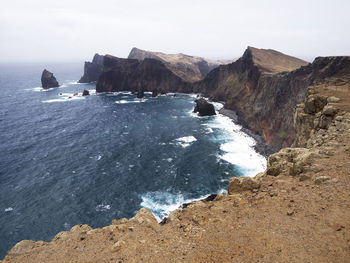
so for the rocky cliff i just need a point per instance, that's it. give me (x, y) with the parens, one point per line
(130, 74)
(296, 211)
(189, 68)
(92, 70)
(264, 86)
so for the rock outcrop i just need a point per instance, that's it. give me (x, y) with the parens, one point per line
(92, 70)
(127, 74)
(48, 80)
(188, 68)
(204, 108)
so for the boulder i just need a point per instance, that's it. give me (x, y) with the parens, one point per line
(86, 92)
(289, 161)
(241, 184)
(48, 80)
(204, 108)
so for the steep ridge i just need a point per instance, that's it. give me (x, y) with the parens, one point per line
(264, 102)
(189, 68)
(131, 75)
(296, 211)
(92, 70)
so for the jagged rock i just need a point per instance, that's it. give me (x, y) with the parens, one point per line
(92, 70)
(241, 184)
(48, 80)
(289, 161)
(86, 92)
(315, 104)
(204, 108)
(329, 110)
(154, 93)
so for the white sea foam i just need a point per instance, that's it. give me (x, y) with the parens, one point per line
(92, 91)
(162, 203)
(185, 141)
(39, 89)
(209, 130)
(99, 157)
(130, 101)
(9, 209)
(102, 208)
(217, 105)
(65, 97)
(237, 147)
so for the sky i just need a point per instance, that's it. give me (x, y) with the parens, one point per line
(62, 30)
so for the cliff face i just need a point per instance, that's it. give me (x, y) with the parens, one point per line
(264, 94)
(130, 74)
(262, 87)
(92, 70)
(188, 68)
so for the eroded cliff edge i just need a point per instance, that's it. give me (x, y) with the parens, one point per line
(296, 211)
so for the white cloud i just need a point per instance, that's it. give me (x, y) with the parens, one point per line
(60, 30)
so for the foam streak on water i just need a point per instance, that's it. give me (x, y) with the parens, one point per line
(238, 147)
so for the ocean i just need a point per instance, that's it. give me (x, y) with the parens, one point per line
(68, 160)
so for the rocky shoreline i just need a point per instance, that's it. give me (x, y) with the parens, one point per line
(260, 146)
(296, 211)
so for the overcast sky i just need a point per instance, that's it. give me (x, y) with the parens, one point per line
(45, 30)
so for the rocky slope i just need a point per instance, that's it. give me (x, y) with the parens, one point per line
(189, 68)
(296, 211)
(129, 74)
(92, 70)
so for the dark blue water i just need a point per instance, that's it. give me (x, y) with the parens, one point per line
(67, 159)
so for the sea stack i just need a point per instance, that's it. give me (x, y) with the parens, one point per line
(48, 80)
(86, 92)
(204, 108)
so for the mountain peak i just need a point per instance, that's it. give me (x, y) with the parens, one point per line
(271, 61)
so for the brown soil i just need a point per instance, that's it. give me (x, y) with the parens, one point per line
(288, 219)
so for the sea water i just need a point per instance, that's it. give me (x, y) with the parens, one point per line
(68, 159)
